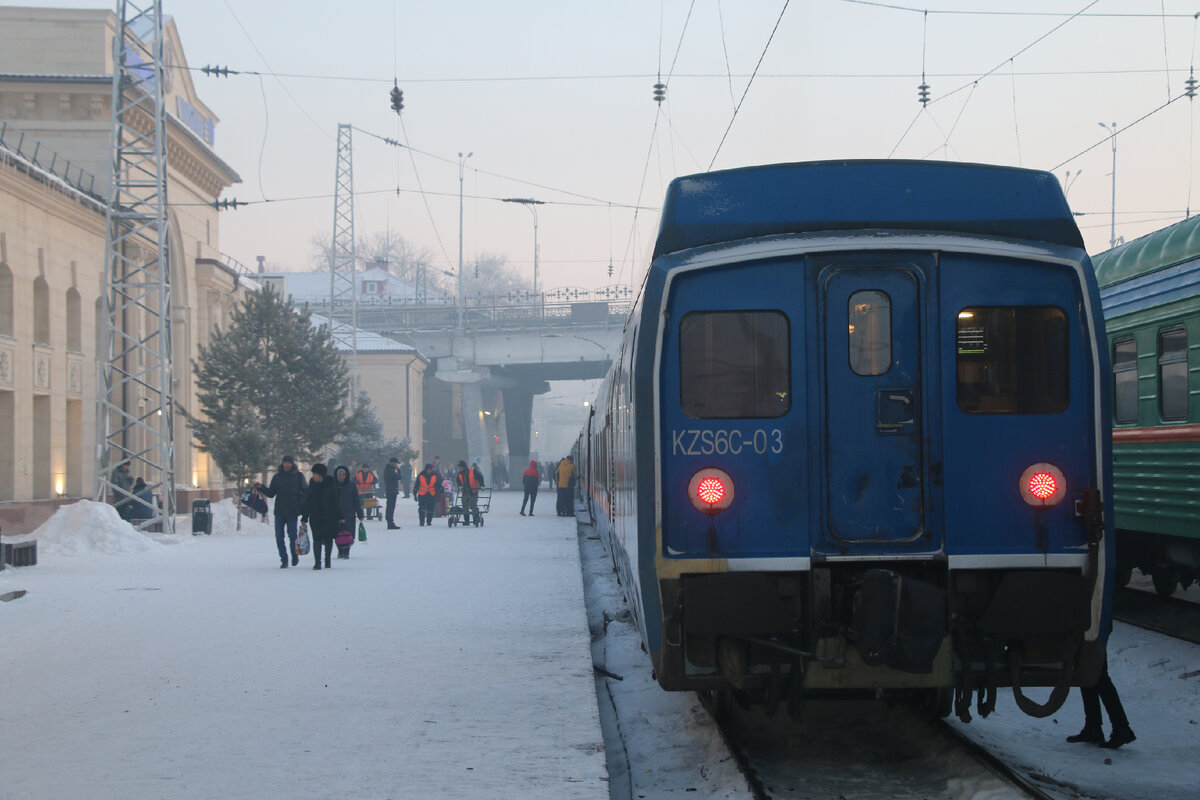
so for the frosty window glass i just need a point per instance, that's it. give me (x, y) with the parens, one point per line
(734, 364)
(1173, 373)
(1012, 360)
(1125, 401)
(870, 332)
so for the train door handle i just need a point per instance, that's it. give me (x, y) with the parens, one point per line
(895, 410)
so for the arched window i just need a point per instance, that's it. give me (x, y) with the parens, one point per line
(41, 311)
(74, 321)
(6, 300)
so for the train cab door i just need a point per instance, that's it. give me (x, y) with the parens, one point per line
(873, 415)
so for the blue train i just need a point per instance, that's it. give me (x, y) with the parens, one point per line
(857, 439)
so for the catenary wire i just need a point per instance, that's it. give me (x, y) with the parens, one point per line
(738, 107)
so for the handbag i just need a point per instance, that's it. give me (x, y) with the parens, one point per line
(362, 531)
(302, 543)
(344, 539)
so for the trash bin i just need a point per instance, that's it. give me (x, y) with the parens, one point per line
(201, 516)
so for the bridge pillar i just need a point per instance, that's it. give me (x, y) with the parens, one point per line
(518, 424)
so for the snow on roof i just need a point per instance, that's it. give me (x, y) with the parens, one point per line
(367, 341)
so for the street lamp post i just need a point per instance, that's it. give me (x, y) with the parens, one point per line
(462, 160)
(1069, 181)
(532, 205)
(1112, 239)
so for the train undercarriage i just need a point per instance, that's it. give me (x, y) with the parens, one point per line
(914, 631)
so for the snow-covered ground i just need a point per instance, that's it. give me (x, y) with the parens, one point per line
(436, 662)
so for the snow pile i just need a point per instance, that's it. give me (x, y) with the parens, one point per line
(225, 519)
(88, 527)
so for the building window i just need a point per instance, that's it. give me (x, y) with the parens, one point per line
(1012, 360)
(1125, 399)
(6, 300)
(734, 364)
(1173, 373)
(74, 321)
(41, 311)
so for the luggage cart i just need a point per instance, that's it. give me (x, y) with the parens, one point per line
(455, 514)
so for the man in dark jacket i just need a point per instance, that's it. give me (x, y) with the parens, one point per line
(287, 487)
(406, 476)
(322, 513)
(391, 487)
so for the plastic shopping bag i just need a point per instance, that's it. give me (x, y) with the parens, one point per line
(362, 531)
(302, 543)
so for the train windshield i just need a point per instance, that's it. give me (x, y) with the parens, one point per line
(1012, 360)
(734, 364)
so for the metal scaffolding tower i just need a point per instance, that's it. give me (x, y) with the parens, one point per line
(135, 407)
(343, 299)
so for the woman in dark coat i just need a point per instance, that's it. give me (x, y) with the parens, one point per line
(349, 506)
(530, 480)
(322, 513)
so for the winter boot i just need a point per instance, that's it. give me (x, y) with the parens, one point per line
(295, 559)
(1091, 734)
(1120, 736)
(327, 565)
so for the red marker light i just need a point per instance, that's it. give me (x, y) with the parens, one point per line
(711, 491)
(1043, 485)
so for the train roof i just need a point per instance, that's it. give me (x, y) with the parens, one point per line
(1155, 251)
(774, 199)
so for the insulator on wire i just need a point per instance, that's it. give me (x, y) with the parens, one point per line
(397, 99)
(610, 270)
(923, 93)
(660, 92)
(1189, 86)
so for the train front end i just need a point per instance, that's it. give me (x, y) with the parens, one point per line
(879, 441)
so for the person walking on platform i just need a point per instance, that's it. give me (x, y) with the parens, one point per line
(287, 487)
(425, 490)
(406, 476)
(470, 481)
(322, 514)
(530, 480)
(366, 481)
(122, 482)
(1093, 731)
(563, 477)
(349, 508)
(392, 480)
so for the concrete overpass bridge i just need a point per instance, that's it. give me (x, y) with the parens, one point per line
(511, 345)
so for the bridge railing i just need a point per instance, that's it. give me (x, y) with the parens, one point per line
(510, 310)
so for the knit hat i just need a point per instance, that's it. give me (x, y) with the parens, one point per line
(288, 458)
(319, 469)
(393, 460)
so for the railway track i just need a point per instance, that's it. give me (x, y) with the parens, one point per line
(864, 749)
(1171, 616)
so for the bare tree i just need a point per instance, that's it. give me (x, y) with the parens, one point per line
(491, 275)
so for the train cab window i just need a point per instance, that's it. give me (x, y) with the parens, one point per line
(734, 364)
(1173, 373)
(1125, 401)
(1012, 360)
(870, 333)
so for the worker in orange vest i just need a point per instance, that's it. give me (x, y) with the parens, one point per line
(424, 489)
(470, 481)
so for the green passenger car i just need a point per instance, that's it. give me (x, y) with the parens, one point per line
(1150, 289)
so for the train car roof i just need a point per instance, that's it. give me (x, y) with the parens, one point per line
(774, 199)
(1163, 248)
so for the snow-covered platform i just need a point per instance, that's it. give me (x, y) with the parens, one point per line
(435, 662)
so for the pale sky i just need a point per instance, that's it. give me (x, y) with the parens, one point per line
(559, 93)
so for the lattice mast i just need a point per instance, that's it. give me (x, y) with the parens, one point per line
(135, 407)
(343, 299)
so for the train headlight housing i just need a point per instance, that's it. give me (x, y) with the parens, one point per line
(711, 491)
(1042, 485)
